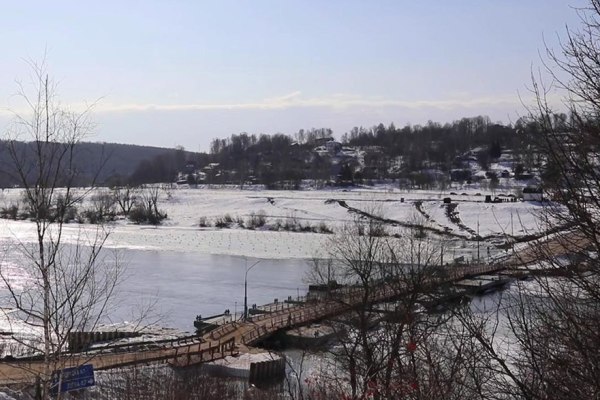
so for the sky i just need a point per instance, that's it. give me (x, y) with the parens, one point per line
(180, 73)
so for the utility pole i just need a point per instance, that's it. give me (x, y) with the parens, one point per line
(512, 233)
(478, 239)
(246, 289)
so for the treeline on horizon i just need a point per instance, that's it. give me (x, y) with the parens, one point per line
(416, 155)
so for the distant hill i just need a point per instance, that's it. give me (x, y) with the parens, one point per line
(109, 162)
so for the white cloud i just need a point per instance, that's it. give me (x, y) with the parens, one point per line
(295, 99)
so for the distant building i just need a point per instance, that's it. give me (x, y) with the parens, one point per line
(460, 175)
(323, 141)
(531, 193)
(190, 167)
(524, 176)
(333, 147)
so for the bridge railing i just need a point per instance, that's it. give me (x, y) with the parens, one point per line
(298, 316)
(223, 330)
(274, 307)
(133, 346)
(345, 298)
(187, 355)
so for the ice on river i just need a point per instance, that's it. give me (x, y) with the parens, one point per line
(189, 270)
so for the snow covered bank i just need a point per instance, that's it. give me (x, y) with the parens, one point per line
(187, 207)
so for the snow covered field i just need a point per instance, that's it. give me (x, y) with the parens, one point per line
(190, 270)
(185, 208)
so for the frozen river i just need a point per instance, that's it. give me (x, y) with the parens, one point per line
(182, 284)
(173, 270)
(179, 285)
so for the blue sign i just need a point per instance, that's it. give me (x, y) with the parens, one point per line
(72, 378)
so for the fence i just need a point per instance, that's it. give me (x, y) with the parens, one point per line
(187, 355)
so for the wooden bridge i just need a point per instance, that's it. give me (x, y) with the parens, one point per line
(230, 338)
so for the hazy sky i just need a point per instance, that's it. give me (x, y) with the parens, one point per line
(183, 72)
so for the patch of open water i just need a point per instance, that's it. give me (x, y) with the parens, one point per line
(183, 285)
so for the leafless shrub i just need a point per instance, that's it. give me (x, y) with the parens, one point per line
(257, 220)
(146, 208)
(203, 222)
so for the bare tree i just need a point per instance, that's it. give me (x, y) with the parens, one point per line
(391, 349)
(102, 207)
(146, 208)
(542, 340)
(70, 280)
(125, 197)
(559, 335)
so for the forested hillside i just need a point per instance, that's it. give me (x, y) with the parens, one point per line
(423, 156)
(415, 156)
(106, 163)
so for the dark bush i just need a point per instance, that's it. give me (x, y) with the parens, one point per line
(10, 212)
(142, 215)
(222, 222)
(323, 228)
(203, 222)
(257, 220)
